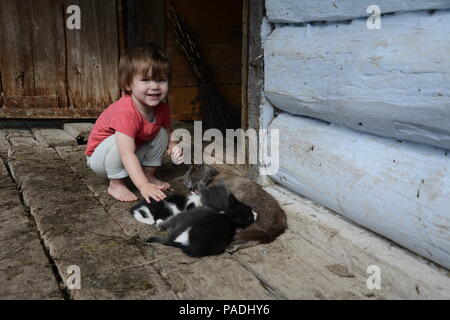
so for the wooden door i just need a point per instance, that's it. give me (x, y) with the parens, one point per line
(50, 71)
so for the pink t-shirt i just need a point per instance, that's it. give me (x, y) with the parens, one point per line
(123, 116)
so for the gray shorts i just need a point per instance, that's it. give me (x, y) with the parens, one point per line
(106, 162)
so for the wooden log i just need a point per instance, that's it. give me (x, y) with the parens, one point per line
(398, 190)
(393, 82)
(295, 11)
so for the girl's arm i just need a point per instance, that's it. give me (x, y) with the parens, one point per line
(127, 151)
(171, 144)
(173, 149)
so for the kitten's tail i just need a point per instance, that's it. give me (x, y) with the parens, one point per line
(141, 213)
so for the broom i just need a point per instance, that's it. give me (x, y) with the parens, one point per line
(216, 113)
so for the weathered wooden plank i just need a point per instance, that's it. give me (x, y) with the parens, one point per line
(296, 270)
(214, 277)
(78, 231)
(218, 277)
(25, 272)
(404, 274)
(295, 11)
(216, 26)
(33, 63)
(149, 20)
(48, 49)
(183, 103)
(53, 137)
(118, 211)
(93, 55)
(1, 87)
(31, 102)
(393, 82)
(398, 190)
(221, 47)
(185, 106)
(122, 20)
(16, 48)
(79, 131)
(18, 133)
(244, 73)
(4, 145)
(63, 113)
(255, 74)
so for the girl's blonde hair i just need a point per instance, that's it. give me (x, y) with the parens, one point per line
(140, 60)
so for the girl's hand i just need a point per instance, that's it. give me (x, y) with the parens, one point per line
(149, 190)
(170, 147)
(176, 154)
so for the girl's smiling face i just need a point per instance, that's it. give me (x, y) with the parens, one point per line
(148, 92)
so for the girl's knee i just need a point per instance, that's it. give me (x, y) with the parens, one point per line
(163, 136)
(161, 140)
(153, 151)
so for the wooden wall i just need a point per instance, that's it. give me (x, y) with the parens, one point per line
(145, 21)
(375, 90)
(217, 28)
(49, 71)
(398, 190)
(297, 11)
(393, 82)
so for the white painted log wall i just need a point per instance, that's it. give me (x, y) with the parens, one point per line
(398, 190)
(297, 11)
(393, 82)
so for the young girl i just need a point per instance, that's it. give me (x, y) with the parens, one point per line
(130, 136)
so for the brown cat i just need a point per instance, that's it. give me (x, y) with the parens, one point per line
(271, 220)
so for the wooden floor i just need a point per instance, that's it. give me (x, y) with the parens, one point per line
(55, 213)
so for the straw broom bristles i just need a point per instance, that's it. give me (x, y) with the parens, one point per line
(216, 113)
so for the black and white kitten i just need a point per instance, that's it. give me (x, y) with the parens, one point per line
(207, 230)
(156, 212)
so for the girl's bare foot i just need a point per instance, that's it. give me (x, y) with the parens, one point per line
(119, 191)
(160, 184)
(150, 174)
